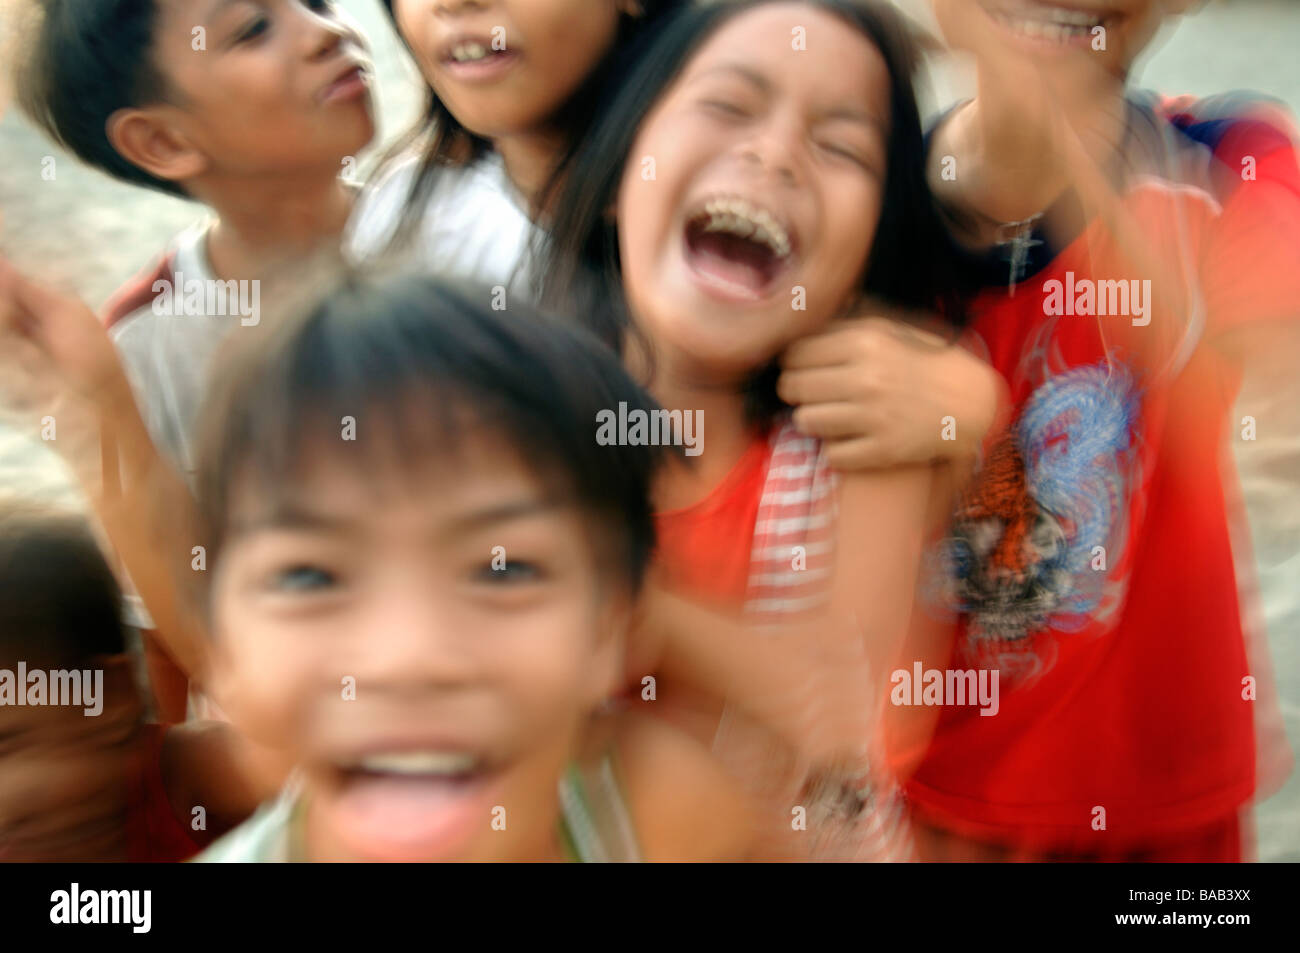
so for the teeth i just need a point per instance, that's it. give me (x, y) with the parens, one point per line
(468, 52)
(736, 216)
(1052, 24)
(417, 762)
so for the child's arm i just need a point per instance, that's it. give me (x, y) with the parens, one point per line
(684, 807)
(150, 515)
(818, 681)
(1006, 155)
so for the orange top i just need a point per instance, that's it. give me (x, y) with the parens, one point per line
(704, 549)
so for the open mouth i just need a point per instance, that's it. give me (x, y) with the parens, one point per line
(412, 805)
(738, 248)
(476, 58)
(1045, 23)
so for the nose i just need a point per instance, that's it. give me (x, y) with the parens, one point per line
(324, 32)
(453, 8)
(774, 149)
(408, 641)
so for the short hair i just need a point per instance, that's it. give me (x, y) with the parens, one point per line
(84, 60)
(59, 600)
(438, 366)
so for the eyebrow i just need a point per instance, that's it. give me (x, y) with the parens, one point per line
(762, 83)
(292, 516)
(753, 76)
(219, 7)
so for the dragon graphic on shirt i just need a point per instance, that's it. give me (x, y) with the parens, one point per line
(1022, 555)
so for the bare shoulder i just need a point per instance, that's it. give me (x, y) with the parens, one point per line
(684, 806)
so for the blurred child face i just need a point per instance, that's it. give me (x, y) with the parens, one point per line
(281, 83)
(768, 171)
(1070, 40)
(470, 682)
(66, 778)
(505, 67)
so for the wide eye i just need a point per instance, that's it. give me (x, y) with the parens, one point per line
(511, 572)
(302, 578)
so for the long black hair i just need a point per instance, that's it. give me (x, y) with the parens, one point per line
(911, 266)
(442, 141)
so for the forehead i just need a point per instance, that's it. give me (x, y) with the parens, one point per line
(797, 47)
(443, 472)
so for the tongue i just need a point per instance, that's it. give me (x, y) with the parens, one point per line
(730, 258)
(394, 817)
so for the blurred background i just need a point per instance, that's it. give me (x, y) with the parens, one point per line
(88, 233)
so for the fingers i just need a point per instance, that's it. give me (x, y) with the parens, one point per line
(833, 421)
(869, 452)
(823, 385)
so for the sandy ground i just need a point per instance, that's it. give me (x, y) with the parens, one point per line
(91, 233)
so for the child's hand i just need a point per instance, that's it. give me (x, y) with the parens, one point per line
(879, 394)
(63, 335)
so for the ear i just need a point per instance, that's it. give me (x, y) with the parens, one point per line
(614, 627)
(149, 138)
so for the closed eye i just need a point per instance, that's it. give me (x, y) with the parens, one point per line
(722, 107)
(253, 29)
(849, 153)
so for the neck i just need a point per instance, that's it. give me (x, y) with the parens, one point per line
(1100, 123)
(267, 222)
(530, 159)
(725, 432)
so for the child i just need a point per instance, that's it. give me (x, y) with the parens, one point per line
(424, 564)
(1092, 560)
(82, 776)
(782, 191)
(512, 87)
(249, 109)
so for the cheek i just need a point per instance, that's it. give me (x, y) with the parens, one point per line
(262, 676)
(548, 663)
(853, 214)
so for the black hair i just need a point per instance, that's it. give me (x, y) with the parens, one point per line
(436, 364)
(86, 60)
(59, 600)
(443, 141)
(911, 264)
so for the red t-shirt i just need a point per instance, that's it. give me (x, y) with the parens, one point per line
(154, 833)
(1091, 560)
(704, 549)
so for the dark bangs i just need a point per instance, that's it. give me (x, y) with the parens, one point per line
(422, 367)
